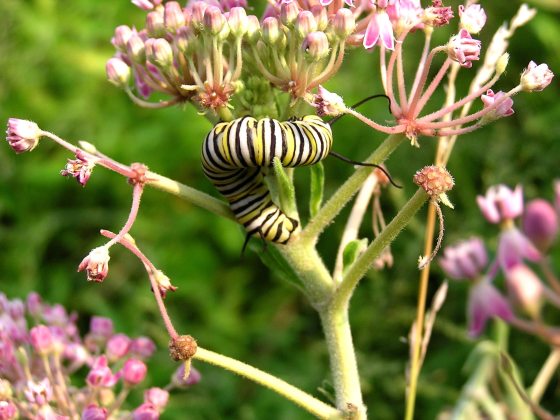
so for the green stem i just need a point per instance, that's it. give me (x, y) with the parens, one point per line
(296, 395)
(364, 263)
(343, 195)
(193, 196)
(546, 373)
(344, 367)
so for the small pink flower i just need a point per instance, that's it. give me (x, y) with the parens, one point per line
(525, 289)
(118, 346)
(514, 247)
(463, 49)
(540, 223)
(22, 135)
(55, 314)
(142, 347)
(118, 72)
(465, 260)
(8, 410)
(134, 372)
(39, 393)
(96, 264)
(146, 411)
(485, 302)
(473, 18)
(156, 396)
(536, 77)
(379, 30)
(79, 168)
(34, 304)
(94, 412)
(146, 4)
(501, 203)
(100, 374)
(501, 104)
(76, 355)
(437, 14)
(101, 327)
(328, 103)
(178, 379)
(41, 339)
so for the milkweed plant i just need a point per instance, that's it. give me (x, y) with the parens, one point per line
(259, 80)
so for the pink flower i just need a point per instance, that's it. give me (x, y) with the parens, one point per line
(514, 247)
(118, 346)
(94, 412)
(525, 288)
(22, 135)
(101, 327)
(502, 105)
(41, 339)
(485, 302)
(134, 372)
(34, 304)
(465, 260)
(142, 347)
(146, 411)
(96, 264)
(118, 72)
(146, 4)
(178, 379)
(437, 14)
(100, 374)
(8, 410)
(79, 168)
(328, 103)
(501, 203)
(473, 18)
(536, 77)
(463, 49)
(156, 396)
(39, 393)
(540, 223)
(379, 30)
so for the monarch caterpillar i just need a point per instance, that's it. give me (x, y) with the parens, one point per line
(234, 153)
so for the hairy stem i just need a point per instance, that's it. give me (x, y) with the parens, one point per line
(296, 395)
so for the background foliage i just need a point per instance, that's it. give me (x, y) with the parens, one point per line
(52, 57)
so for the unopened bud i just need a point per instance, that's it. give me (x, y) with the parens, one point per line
(320, 14)
(22, 135)
(214, 20)
(305, 23)
(182, 40)
(502, 63)
(197, 14)
(344, 23)
(525, 289)
(237, 21)
(118, 72)
(136, 50)
(289, 13)
(316, 45)
(463, 49)
(173, 16)
(253, 29)
(540, 223)
(159, 52)
(271, 30)
(155, 25)
(121, 37)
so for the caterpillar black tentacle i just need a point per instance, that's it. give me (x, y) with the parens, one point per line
(373, 165)
(235, 152)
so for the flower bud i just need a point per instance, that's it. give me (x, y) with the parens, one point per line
(214, 20)
(118, 72)
(502, 106)
(134, 372)
(305, 23)
(197, 14)
(143, 4)
(525, 289)
(34, 304)
(271, 30)
(96, 264)
(142, 347)
(156, 396)
(41, 339)
(463, 49)
(465, 260)
(344, 23)
(100, 375)
(117, 347)
(536, 77)
(435, 180)
(94, 412)
(159, 52)
(22, 135)
(501, 63)
(540, 223)
(178, 379)
(501, 203)
(253, 29)
(316, 46)
(173, 17)
(238, 21)
(320, 14)
(8, 410)
(289, 13)
(155, 26)
(122, 35)
(473, 18)
(146, 411)
(135, 49)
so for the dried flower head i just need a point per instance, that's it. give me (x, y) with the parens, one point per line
(96, 264)
(182, 347)
(435, 180)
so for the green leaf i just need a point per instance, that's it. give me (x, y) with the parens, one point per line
(286, 189)
(352, 251)
(317, 186)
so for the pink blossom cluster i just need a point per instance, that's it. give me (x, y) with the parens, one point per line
(42, 355)
(520, 255)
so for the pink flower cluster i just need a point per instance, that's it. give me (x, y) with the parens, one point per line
(41, 351)
(517, 248)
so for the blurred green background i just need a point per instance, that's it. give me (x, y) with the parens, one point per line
(52, 58)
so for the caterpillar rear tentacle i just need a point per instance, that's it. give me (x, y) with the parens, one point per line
(235, 152)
